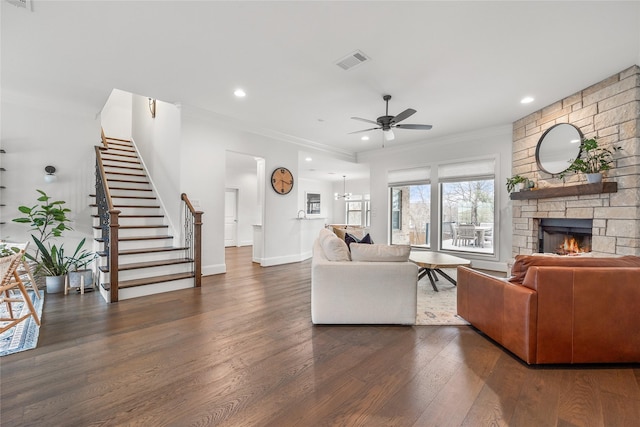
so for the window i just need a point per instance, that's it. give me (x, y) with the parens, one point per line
(411, 215)
(467, 201)
(358, 210)
(410, 193)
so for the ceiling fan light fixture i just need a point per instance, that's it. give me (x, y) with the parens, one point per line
(388, 135)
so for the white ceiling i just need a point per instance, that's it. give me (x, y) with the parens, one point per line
(461, 65)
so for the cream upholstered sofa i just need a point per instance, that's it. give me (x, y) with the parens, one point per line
(372, 284)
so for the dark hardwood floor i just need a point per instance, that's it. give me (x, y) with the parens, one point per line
(241, 351)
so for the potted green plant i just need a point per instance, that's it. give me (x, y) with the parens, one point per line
(49, 220)
(593, 160)
(516, 181)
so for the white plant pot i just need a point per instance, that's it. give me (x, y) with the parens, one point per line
(593, 178)
(55, 284)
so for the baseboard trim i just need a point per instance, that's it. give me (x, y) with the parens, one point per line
(209, 270)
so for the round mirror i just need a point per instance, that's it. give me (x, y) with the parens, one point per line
(558, 147)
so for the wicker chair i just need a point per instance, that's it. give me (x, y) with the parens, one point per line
(11, 282)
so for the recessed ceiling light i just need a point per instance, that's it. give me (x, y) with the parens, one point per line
(365, 138)
(308, 159)
(526, 100)
(240, 93)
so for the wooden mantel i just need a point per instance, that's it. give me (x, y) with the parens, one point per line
(573, 190)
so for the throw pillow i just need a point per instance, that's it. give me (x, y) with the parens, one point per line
(335, 249)
(379, 252)
(350, 238)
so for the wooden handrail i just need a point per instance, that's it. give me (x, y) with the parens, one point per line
(103, 176)
(114, 227)
(197, 240)
(104, 138)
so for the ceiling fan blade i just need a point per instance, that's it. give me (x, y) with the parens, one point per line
(365, 120)
(364, 130)
(405, 114)
(408, 126)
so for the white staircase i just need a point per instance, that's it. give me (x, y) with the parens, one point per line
(148, 261)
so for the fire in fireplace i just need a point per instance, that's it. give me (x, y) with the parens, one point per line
(565, 236)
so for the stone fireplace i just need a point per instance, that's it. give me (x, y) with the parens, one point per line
(609, 110)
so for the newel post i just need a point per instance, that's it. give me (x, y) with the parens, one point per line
(113, 254)
(198, 248)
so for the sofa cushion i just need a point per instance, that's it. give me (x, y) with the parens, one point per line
(334, 248)
(523, 262)
(379, 252)
(342, 231)
(350, 238)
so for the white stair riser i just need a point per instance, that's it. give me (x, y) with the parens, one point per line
(116, 194)
(139, 291)
(145, 257)
(138, 184)
(153, 256)
(140, 244)
(141, 273)
(125, 210)
(130, 232)
(134, 221)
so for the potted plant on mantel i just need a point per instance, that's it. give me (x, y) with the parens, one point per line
(49, 219)
(593, 160)
(516, 181)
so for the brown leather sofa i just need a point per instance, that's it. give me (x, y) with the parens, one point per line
(558, 309)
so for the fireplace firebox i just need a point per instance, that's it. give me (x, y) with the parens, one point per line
(565, 236)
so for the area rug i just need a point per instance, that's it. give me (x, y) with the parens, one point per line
(23, 336)
(438, 308)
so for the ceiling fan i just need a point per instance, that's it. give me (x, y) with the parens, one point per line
(387, 122)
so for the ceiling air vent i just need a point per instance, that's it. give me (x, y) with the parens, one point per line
(352, 60)
(21, 3)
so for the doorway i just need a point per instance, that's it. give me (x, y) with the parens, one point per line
(230, 217)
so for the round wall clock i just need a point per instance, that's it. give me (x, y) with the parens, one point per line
(282, 180)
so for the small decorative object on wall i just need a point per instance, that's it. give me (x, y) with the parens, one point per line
(593, 160)
(282, 180)
(557, 146)
(516, 181)
(313, 203)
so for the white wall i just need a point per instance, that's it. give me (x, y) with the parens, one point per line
(495, 142)
(36, 133)
(205, 140)
(116, 117)
(158, 141)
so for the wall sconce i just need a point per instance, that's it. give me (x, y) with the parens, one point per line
(152, 107)
(50, 176)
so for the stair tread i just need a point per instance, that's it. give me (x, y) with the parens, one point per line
(106, 153)
(129, 197)
(121, 167)
(132, 238)
(126, 180)
(124, 173)
(94, 205)
(127, 160)
(135, 216)
(146, 250)
(131, 227)
(117, 139)
(150, 280)
(148, 264)
(129, 189)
